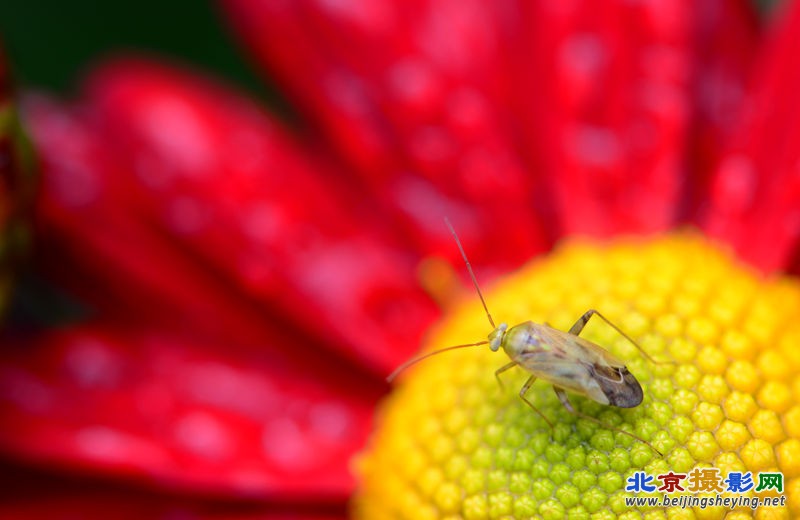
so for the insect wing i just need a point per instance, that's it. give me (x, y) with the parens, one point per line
(574, 376)
(582, 367)
(586, 350)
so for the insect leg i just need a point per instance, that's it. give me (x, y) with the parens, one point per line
(524, 390)
(576, 329)
(501, 370)
(562, 396)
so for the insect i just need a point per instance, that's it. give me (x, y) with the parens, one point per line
(564, 359)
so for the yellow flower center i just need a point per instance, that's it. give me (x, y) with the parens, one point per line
(452, 443)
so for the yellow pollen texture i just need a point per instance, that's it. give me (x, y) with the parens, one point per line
(452, 443)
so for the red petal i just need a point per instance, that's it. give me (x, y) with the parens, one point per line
(605, 98)
(100, 248)
(726, 36)
(614, 101)
(756, 188)
(29, 494)
(184, 201)
(154, 408)
(414, 97)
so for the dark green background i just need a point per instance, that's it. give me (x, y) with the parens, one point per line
(50, 42)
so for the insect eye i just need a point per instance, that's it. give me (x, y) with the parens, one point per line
(497, 336)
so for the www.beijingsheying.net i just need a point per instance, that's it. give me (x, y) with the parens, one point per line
(686, 501)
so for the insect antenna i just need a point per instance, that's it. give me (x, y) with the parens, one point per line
(420, 358)
(471, 272)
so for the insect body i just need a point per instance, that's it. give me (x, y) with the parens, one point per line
(570, 362)
(564, 359)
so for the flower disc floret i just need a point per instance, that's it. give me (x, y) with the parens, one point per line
(722, 403)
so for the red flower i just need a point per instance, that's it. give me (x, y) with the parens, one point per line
(250, 286)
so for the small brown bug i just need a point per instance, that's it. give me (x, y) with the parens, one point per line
(564, 359)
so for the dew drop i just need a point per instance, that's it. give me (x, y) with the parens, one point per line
(92, 363)
(594, 146)
(582, 53)
(204, 435)
(102, 442)
(331, 420)
(283, 443)
(179, 135)
(735, 183)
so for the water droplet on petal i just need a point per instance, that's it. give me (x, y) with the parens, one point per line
(231, 389)
(108, 444)
(735, 184)
(284, 444)
(582, 54)
(330, 419)
(413, 82)
(370, 16)
(177, 131)
(594, 146)
(204, 435)
(92, 363)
